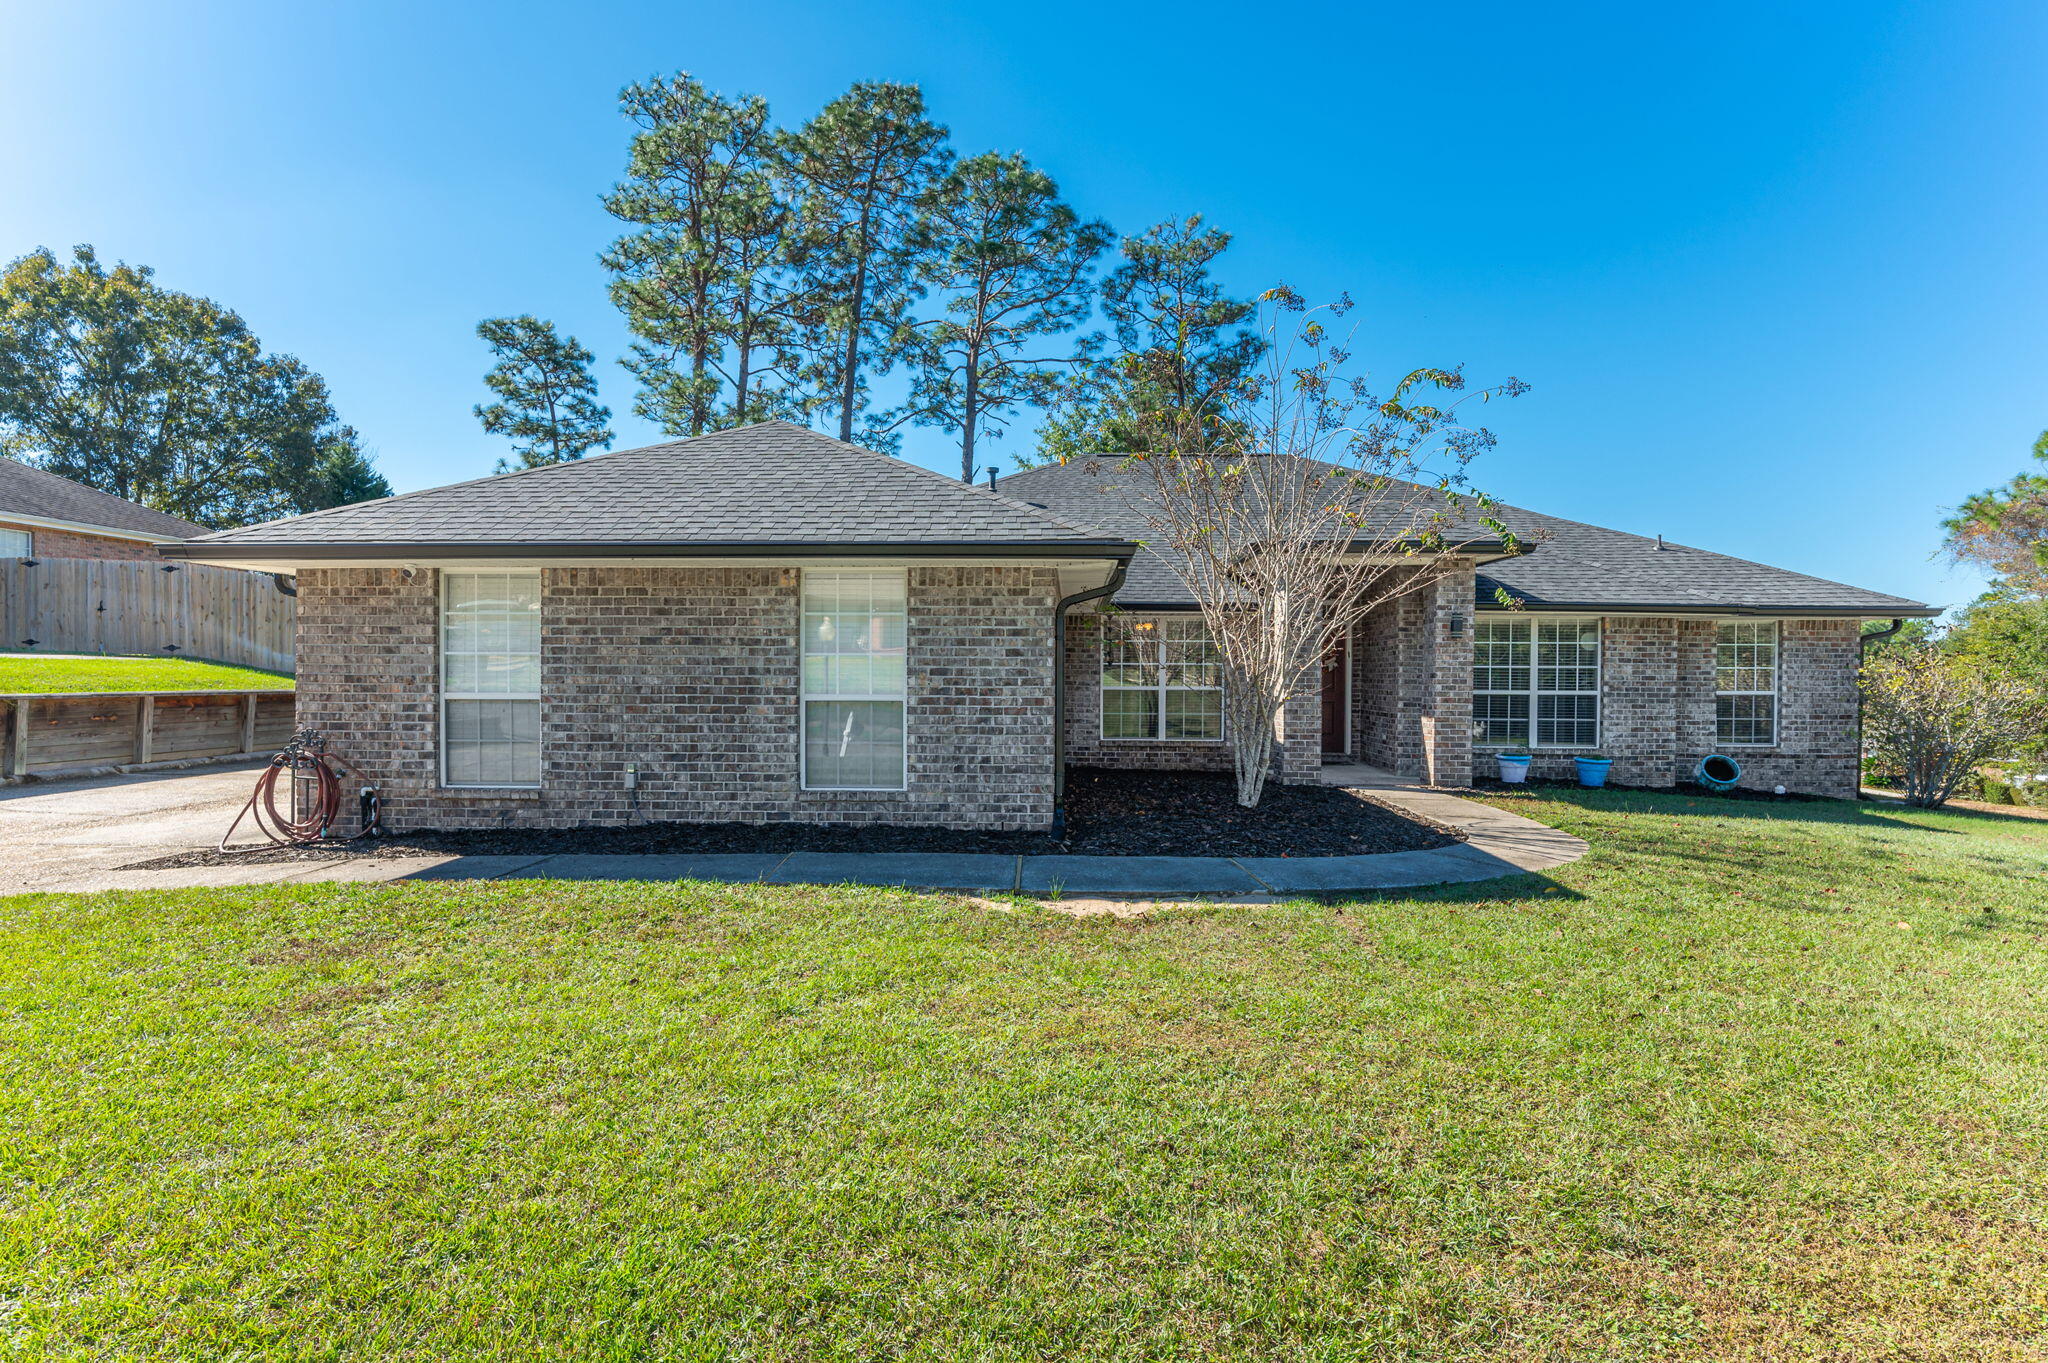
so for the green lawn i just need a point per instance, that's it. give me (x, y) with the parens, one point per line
(38, 673)
(1750, 1081)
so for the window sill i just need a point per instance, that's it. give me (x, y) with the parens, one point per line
(488, 792)
(1203, 742)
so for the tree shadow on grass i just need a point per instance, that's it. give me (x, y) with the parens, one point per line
(1701, 803)
(1527, 887)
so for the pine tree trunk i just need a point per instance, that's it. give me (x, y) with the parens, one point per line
(971, 413)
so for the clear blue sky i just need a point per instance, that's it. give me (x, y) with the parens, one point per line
(1776, 272)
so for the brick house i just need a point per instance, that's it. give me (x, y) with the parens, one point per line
(769, 625)
(45, 516)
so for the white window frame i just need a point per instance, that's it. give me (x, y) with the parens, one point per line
(1159, 689)
(805, 697)
(441, 678)
(28, 541)
(1777, 644)
(1536, 691)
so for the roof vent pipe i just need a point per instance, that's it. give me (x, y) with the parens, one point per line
(991, 477)
(1660, 543)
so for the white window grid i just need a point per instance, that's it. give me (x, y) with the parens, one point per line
(516, 664)
(1746, 684)
(1536, 682)
(1173, 659)
(889, 621)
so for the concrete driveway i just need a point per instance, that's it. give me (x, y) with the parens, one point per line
(76, 832)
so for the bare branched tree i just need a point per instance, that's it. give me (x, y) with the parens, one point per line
(1332, 502)
(1936, 719)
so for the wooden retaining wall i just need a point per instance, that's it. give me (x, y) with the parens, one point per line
(182, 610)
(54, 735)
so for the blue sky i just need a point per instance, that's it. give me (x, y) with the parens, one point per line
(1776, 273)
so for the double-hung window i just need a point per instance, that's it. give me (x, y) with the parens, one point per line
(1746, 683)
(490, 678)
(16, 543)
(854, 632)
(1536, 681)
(1162, 678)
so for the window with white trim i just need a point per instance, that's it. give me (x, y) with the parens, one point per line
(854, 632)
(16, 543)
(1746, 683)
(1162, 678)
(1535, 681)
(490, 678)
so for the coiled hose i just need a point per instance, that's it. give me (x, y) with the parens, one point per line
(312, 778)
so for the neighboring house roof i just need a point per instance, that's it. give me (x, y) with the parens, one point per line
(770, 488)
(1566, 565)
(38, 495)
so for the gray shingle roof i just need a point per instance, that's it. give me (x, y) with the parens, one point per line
(1569, 565)
(33, 492)
(765, 485)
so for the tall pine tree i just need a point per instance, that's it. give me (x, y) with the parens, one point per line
(1177, 350)
(864, 168)
(547, 401)
(1010, 264)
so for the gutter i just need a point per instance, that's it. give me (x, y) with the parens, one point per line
(1863, 643)
(417, 550)
(1059, 687)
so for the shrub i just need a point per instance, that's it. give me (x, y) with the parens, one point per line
(1937, 722)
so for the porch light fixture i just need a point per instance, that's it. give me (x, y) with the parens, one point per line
(1457, 625)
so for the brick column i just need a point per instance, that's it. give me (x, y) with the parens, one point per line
(1298, 753)
(1446, 663)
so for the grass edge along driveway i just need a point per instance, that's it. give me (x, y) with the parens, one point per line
(1749, 1081)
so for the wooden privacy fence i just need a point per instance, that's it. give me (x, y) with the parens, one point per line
(179, 610)
(48, 735)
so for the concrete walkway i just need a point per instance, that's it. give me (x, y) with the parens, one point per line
(88, 827)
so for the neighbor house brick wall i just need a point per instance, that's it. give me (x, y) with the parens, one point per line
(691, 674)
(1657, 707)
(49, 543)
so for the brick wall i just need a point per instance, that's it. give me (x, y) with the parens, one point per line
(1086, 747)
(1657, 707)
(691, 673)
(50, 543)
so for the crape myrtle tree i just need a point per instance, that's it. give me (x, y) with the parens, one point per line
(1935, 719)
(547, 401)
(863, 173)
(1177, 345)
(1323, 502)
(165, 399)
(1008, 264)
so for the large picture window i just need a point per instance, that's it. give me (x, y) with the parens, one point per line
(1746, 683)
(490, 678)
(854, 633)
(1162, 678)
(1535, 682)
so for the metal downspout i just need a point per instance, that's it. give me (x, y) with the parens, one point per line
(1863, 642)
(1059, 687)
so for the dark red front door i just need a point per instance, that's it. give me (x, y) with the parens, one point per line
(1335, 669)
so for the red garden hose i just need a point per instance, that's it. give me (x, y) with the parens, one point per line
(312, 796)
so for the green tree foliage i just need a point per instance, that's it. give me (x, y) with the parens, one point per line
(707, 281)
(547, 401)
(1176, 357)
(1009, 262)
(164, 399)
(864, 170)
(2005, 530)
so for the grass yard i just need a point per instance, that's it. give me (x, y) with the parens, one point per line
(1750, 1081)
(41, 673)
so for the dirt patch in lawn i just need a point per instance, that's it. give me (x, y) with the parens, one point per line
(1109, 813)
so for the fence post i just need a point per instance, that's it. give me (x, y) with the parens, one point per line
(249, 723)
(21, 704)
(145, 728)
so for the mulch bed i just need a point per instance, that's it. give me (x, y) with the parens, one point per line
(1109, 814)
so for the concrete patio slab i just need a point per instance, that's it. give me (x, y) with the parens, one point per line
(919, 870)
(732, 867)
(1135, 875)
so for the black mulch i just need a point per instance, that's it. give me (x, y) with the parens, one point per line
(1109, 813)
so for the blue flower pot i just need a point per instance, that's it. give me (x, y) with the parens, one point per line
(1593, 770)
(1717, 771)
(1514, 770)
